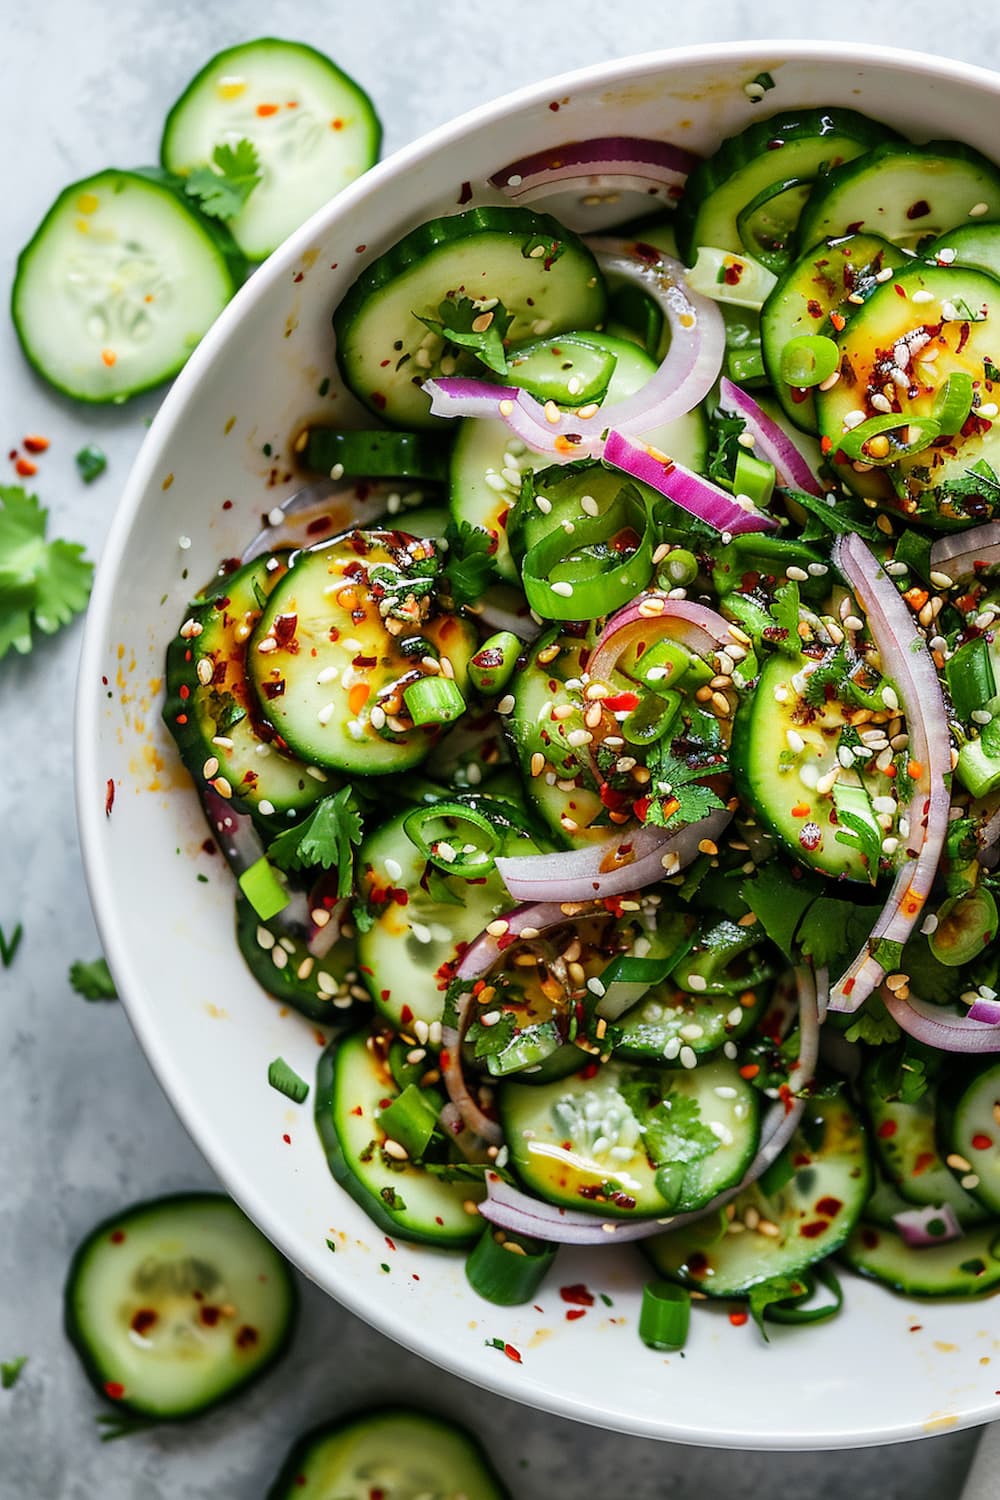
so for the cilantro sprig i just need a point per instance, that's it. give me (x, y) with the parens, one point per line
(468, 325)
(327, 839)
(93, 980)
(470, 567)
(675, 781)
(221, 190)
(42, 584)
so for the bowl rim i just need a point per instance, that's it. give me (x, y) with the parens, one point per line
(242, 1185)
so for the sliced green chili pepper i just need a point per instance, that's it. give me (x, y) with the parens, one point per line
(809, 360)
(953, 402)
(885, 440)
(581, 574)
(653, 719)
(508, 1268)
(971, 679)
(792, 1311)
(665, 664)
(433, 700)
(562, 370)
(442, 832)
(966, 925)
(765, 234)
(665, 1316)
(678, 568)
(526, 1049)
(493, 665)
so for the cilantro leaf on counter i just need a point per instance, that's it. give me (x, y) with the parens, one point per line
(42, 584)
(10, 945)
(470, 567)
(93, 980)
(10, 1371)
(222, 190)
(326, 838)
(91, 463)
(456, 324)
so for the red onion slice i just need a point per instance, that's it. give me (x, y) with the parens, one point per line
(683, 379)
(656, 169)
(651, 616)
(965, 553)
(698, 496)
(913, 1223)
(771, 443)
(516, 1211)
(906, 659)
(939, 1027)
(985, 1011)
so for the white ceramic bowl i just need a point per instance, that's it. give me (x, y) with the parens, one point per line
(886, 1369)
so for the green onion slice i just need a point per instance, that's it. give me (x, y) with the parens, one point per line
(411, 1119)
(283, 1077)
(794, 1309)
(809, 360)
(665, 1316)
(755, 478)
(454, 838)
(433, 700)
(508, 1268)
(263, 889)
(903, 438)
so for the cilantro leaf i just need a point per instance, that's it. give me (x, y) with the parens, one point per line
(827, 514)
(325, 839)
(41, 583)
(470, 566)
(457, 322)
(10, 1371)
(490, 1040)
(221, 191)
(675, 781)
(978, 484)
(93, 980)
(837, 673)
(832, 931)
(766, 1293)
(873, 1024)
(784, 612)
(673, 1135)
(904, 1073)
(779, 901)
(724, 447)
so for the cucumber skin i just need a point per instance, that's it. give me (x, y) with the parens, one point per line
(853, 1256)
(286, 1480)
(222, 242)
(741, 148)
(78, 1339)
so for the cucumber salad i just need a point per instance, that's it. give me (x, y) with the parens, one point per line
(606, 742)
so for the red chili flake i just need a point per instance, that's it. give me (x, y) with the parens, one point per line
(814, 308)
(285, 627)
(117, 1236)
(378, 400)
(246, 1337)
(25, 468)
(839, 321)
(589, 1070)
(114, 1389)
(36, 444)
(982, 1142)
(622, 702)
(267, 109)
(287, 1140)
(918, 210)
(389, 1243)
(209, 1315)
(737, 1317)
(900, 291)
(577, 1293)
(143, 1320)
(810, 1231)
(227, 505)
(466, 193)
(573, 1313)
(733, 273)
(512, 1353)
(749, 1070)
(829, 1206)
(405, 1014)
(385, 996)
(357, 1110)
(869, 1238)
(963, 339)
(924, 1160)
(109, 791)
(554, 107)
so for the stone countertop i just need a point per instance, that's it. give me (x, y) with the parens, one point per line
(86, 1128)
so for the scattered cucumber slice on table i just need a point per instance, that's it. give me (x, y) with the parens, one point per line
(314, 130)
(118, 284)
(175, 1304)
(394, 1453)
(544, 276)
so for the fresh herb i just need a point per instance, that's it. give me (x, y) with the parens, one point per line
(91, 463)
(93, 980)
(837, 676)
(827, 514)
(681, 796)
(783, 632)
(10, 1371)
(41, 583)
(832, 931)
(463, 1171)
(766, 1293)
(392, 1200)
(979, 482)
(873, 1024)
(904, 1073)
(929, 976)
(331, 1246)
(673, 1134)
(724, 447)
(437, 887)
(857, 827)
(779, 902)
(221, 191)
(122, 1424)
(283, 1077)
(470, 567)
(467, 325)
(490, 1040)
(326, 838)
(10, 945)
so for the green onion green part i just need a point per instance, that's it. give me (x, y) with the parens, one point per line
(665, 1316)
(263, 889)
(433, 700)
(283, 1077)
(508, 1268)
(411, 1119)
(755, 478)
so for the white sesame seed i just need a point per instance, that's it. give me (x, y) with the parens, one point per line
(922, 296)
(496, 481)
(328, 674)
(393, 869)
(589, 505)
(563, 589)
(688, 1057)
(799, 575)
(672, 1048)
(794, 741)
(265, 807)
(184, 542)
(978, 210)
(325, 714)
(506, 704)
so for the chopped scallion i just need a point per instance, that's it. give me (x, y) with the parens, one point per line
(508, 1268)
(263, 889)
(283, 1077)
(665, 1316)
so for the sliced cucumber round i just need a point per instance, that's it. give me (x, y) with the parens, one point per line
(393, 1453)
(818, 286)
(969, 1267)
(211, 710)
(353, 1083)
(969, 1127)
(342, 637)
(769, 169)
(313, 128)
(118, 284)
(633, 1140)
(406, 953)
(175, 1304)
(976, 245)
(326, 989)
(942, 320)
(813, 1212)
(544, 276)
(376, 455)
(903, 193)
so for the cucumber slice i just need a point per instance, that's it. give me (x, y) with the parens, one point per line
(968, 1120)
(393, 1453)
(813, 1212)
(327, 989)
(976, 245)
(780, 156)
(406, 954)
(400, 1197)
(927, 314)
(118, 284)
(211, 711)
(375, 455)
(324, 657)
(903, 193)
(313, 128)
(579, 1142)
(566, 370)
(175, 1304)
(819, 284)
(969, 1267)
(905, 1142)
(488, 460)
(544, 276)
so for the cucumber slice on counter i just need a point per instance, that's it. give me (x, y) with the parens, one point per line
(314, 131)
(118, 284)
(175, 1304)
